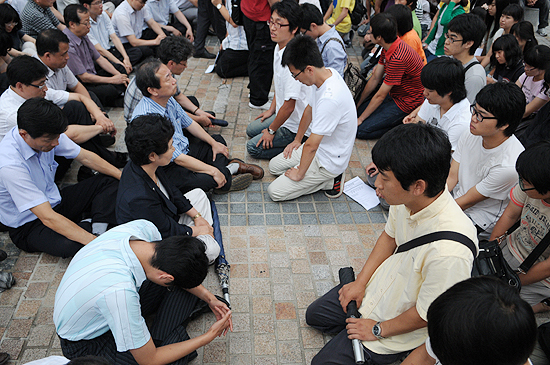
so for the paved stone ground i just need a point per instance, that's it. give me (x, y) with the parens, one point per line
(282, 255)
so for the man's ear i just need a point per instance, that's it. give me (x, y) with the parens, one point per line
(468, 44)
(165, 277)
(419, 187)
(152, 91)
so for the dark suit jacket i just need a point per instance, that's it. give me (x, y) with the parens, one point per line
(140, 198)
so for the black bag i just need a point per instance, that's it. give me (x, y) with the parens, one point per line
(358, 12)
(543, 336)
(236, 13)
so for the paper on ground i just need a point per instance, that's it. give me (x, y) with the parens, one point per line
(209, 69)
(361, 193)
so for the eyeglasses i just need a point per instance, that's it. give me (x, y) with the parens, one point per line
(528, 69)
(451, 39)
(12, 24)
(480, 118)
(298, 74)
(97, 3)
(41, 86)
(522, 187)
(276, 25)
(86, 24)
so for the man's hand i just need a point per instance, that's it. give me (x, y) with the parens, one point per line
(266, 140)
(531, 2)
(119, 79)
(352, 291)
(203, 118)
(360, 121)
(360, 328)
(174, 31)
(371, 169)
(265, 115)
(107, 124)
(219, 178)
(202, 227)
(294, 174)
(127, 65)
(411, 118)
(294, 145)
(189, 35)
(221, 326)
(159, 38)
(218, 147)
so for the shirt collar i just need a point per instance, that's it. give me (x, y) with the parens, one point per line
(26, 151)
(431, 210)
(456, 108)
(50, 71)
(328, 34)
(72, 37)
(393, 47)
(156, 107)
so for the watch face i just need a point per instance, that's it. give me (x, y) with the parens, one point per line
(376, 330)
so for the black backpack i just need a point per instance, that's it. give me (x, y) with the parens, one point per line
(358, 12)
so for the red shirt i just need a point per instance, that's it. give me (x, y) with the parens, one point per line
(403, 66)
(256, 10)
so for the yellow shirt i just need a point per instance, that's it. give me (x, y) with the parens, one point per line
(345, 25)
(418, 276)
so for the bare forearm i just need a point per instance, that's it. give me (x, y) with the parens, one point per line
(89, 78)
(183, 20)
(511, 215)
(119, 47)
(284, 113)
(406, 322)
(304, 124)
(538, 272)
(67, 228)
(194, 165)
(96, 163)
(108, 66)
(82, 133)
(342, 16)
(375, 102)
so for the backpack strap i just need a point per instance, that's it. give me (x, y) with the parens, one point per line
(470, 66)
(333, 39)
(535, 254)
(437, 236)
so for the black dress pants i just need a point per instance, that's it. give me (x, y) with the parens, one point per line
(208, 15)
(95, 196)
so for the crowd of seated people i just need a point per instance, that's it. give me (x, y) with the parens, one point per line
(455, 152)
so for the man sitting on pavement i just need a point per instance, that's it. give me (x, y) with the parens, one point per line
(108, 81)
(102, 33)
(40, 216)
(394, 290)
(319, 163)
(161, 10)
(329, 41)
(275, 128)
(401, 89)
(38, 16)
(145, 192)
(174, 53)
(200, 161)
(148, 275)
(464, 35)
(483, 168)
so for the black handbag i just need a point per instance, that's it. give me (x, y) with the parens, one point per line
(236, 12)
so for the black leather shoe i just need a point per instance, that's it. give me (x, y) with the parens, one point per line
(204, 54)
(3, 255)
(4, 357)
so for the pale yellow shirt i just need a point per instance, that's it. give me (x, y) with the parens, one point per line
(345, 25)
(418, 276)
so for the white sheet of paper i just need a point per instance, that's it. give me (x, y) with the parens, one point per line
(361, 193)
(209, 69)
(478, 52)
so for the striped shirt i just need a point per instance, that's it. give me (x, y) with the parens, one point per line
(101, 30)
(177, 116)
(403, 66)
(35, 19)
(99, 291)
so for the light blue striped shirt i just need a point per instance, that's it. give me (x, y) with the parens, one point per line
(177, 116)
(101, 30)
(100, 289)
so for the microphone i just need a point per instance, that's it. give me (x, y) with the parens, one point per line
(347, 275)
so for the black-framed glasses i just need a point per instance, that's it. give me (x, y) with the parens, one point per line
(522, 187)
(38, 86)
(451, 39)
(295, 76)
(480, 118)
(276, 25)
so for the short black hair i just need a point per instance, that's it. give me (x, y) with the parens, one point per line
(146, 76)
(481, 320)
(82, 2)
(384, 25)
(6, 43)
(403, 17)
(415, 152)
(310, 14)
(48, 41)
(40, 117)
(533, 166)
(71, 13)
(184, 258)
(470, 27)
(90, 360)
(175, 49)
(512, 51)
(499, 5)
(289, 10)
(302, 51)
(26, 70)
(445, 75)
(147, 134)
(538, 57)
(411, 4)
(524, 30)
(7, 15)
(505, 101)
(515, 11)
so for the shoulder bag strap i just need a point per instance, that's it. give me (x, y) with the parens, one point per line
(333, 39)
(437, 236)
(470, 66)
(535, 254)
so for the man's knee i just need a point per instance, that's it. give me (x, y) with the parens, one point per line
(252, 149)
(277, 191)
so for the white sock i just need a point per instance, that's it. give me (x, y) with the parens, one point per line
(99, 228)
(233, 168)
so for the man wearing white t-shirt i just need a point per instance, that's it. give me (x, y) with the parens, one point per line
(275, 128)
(483, 164)
(319, 163)
(446, 105)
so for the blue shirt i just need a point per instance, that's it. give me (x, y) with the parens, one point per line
(177, 116)
(100, 289)
(101, 30)
(27, 177)
(334, 55)
(161, 9)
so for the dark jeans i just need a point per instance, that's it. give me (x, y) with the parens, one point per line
(173, 310)
(187, 180)
(232, 63)
(260, 60)
(134, 54)
(146, 51)
(208, 15)
(326, 315)
(96, 196)
(108, 94)
(384, 118)
(542, 5)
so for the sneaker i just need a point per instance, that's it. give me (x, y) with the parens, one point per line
(337, 187)
(270, 95)
(265, 106)
(541, 32)
(238, 182)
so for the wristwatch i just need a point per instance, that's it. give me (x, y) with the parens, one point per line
(271, 131)
(219, 6)
(377, 331)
